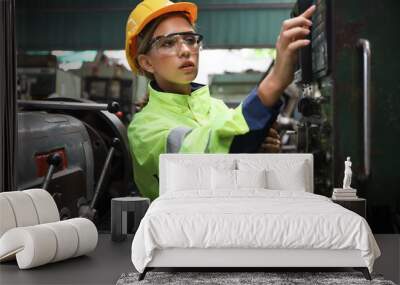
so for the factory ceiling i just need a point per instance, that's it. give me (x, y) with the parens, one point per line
(100, 25)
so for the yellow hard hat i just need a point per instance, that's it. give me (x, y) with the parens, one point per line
(144, 13)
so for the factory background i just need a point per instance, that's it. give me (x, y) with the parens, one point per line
(344, 100)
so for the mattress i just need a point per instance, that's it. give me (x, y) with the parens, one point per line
(250, 218)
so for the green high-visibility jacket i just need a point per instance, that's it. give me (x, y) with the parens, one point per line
(195, 123)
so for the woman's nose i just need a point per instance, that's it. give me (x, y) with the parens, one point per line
(184, 50)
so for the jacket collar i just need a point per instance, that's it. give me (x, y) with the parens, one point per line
(194, 86)
(198, 101)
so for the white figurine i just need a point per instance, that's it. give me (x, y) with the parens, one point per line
(347, 174)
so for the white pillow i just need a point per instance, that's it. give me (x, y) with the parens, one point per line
(292, 180)
(229, 179)
(281, 174)
(188, 177)
(251, 178)
(223, 179)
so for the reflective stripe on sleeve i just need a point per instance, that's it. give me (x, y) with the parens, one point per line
(175, 138)
(207, 150)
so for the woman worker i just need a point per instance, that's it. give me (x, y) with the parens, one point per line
(181, 116)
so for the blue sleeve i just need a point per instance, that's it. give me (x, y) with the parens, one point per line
(256, 114)
(259, 118)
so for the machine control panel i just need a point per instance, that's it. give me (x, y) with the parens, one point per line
(319, 40)
(314, 59)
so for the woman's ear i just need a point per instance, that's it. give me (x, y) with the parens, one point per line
(145, 63)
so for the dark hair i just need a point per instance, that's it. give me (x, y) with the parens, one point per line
(146, 35)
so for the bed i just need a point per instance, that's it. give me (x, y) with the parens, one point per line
(247, 210)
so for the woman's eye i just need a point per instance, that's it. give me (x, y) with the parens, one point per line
(190, 40)
(168, 43)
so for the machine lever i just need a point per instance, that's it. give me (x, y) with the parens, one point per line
(99, 185)
(89, 211)
(111, 107)
(54, 161)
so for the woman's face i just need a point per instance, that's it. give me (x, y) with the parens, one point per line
(173, 68)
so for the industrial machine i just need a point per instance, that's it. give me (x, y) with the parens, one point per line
(39, 78)
(102, 81)
(106, 81)
(349, 102)
(78, 151)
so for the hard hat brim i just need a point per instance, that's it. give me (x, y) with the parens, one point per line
(130, 44)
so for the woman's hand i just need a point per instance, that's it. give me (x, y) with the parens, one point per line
(290, 40)
(272, 142)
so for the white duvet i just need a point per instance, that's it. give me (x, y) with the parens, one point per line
(253, 218)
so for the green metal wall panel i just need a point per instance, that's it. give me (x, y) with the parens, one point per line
(84, 24)
(381, 187)
(236, 29)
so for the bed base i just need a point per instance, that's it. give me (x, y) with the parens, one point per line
(364, 271)
(243, 258)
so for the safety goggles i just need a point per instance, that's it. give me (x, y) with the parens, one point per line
(170, 44)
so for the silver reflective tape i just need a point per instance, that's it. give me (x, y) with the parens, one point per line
(207, 150)
(175, 139)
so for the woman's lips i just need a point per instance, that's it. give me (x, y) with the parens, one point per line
(187, 65)
(187, 68)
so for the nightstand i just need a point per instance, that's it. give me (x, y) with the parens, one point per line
(357, 205)
(119, 208)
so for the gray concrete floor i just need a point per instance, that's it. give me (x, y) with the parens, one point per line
(389, 262)
(110, 259)
(103, 266)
